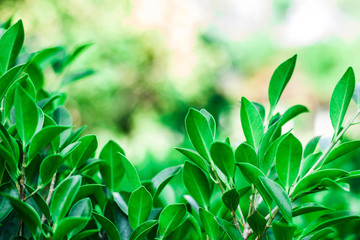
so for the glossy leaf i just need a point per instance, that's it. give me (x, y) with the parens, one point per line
(311, 146)
(329, 183)
(194, 157)
(40, 202)
(210, 225)
(63, 197)
(341, 150)
(197, 184)
(231, 199)
(130, 172)
(270, 154)
(163, 178)
(223, 156)
(308, 208)
(251, 123)
(246, 153)
(252, 174)
(85, 234)
(86, 149)
(210, 120)
(279, 196)
(112, 172)
(26, 115)
(171, 217)
(229, 229)
(10, 44)
(257, 223)
(140, 205)
(199, 132)
(8, 78)
(279, 80)
(42, 139)
(340, 98)
(288, 160)
(321, 234)
(5, 206)
(67, 226)
(283, 231)
(108, 226)
(143, 229)
(308, 163)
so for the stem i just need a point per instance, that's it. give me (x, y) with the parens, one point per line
(218, 181)
(270, 217)
(51, 189)
(21, 182)
(236, 221)
(33, 193)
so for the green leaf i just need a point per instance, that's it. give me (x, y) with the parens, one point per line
(229, 229)
(279, 196)
(313, 180)
(279, 80)
(193, 156)
(246, 153)
(86, 149)
(210, 120)
(26, 115)
(283, 231)
(329, 183)
(356, 95)
(308, 208)
(210, 225)
(171, 217)
(231, 199)
(340, 99)
(257, 222)
(112, 172)
(10, 46)
(288, 160)
(197, 184)
(224, 158)
(49, 167)
(130, 172)
(108, 226)
(251, 123)
(341, 150)
(42, 138)
(69, 225)
(140, 205)
(199, 132)
(321, 234)
(308, 162)
(261, 109)
(73, 77)
(63, 197)
(163, 178)
(143, 229)
(40, 202)
(311, 146)
(5, 206)
(27, 214)
(85, 234)
(81, 209)
(8, 78)
(252, 174)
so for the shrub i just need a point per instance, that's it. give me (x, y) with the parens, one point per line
(54, 187)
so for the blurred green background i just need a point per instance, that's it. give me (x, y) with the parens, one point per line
(153, 59)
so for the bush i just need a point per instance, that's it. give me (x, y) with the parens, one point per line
(53, 186)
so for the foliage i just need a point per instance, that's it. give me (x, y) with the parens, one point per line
(53, 185)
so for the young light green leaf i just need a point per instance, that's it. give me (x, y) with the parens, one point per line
(210, 225)
(199, 132)
(283, 231)
(311, 146)
(10, 46)
(130, 172)
(26, 115)
(63, 197)
(163, 178)
(341, 150)
(143, 229)
(279, 80)
(210, 119)
(140, 205)
(308, 208)
(251, 123)
(193, 156)
(288, 160)
(279, 196)
(246, 153)
(229, 228)
(257, 222)
(261, 109)
(223, 156)
(252, 174)
(171, 217)
(231, 199)
(75, 76)
(42, 138)
(27, 214)
(308, 162)
(108, 226)
(356, 95)
(197, 184)
(340, 99)
(112, 172)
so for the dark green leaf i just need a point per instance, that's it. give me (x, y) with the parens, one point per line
(8, 78)
(197, 184)
(163, 178)
(85, 234)
(279, 80)
(321, 234)
(68, 226)
(210, 225)
(308, 208)
(63, 197)
(5, 206)
(231, 199)
(283, 231)
(257, 223)
(86, 149)
(130, 172)
(223, 156)
(279, 196)
(246, 153)
(143, 229)
(340, 98)
(108, 226)
(311, 146)
(288, 160)
(329, 183)
(49, 167)
(308, 162)
(40, 202)
(140, 205)
(199, 132)
(229, 228)
(171, 217)
(251, 123)
(193, 156)
(341, 150)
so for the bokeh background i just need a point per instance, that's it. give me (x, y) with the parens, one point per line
(153, 59)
